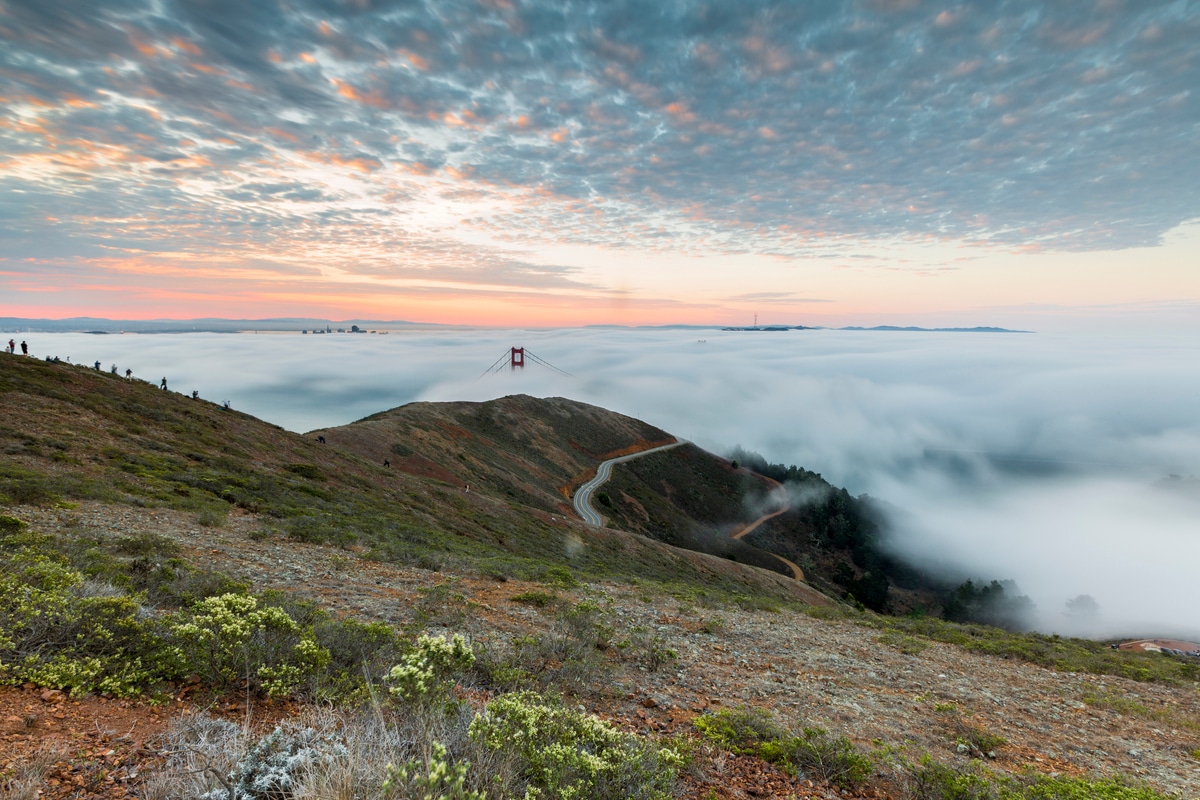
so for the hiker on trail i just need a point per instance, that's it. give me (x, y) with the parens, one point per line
(225, 405)
(97, 365)
(321, 439)
(195, 394)
(24, 348)
(164, 382)
(113, 370)
(12, 346)
(128, 374)
(387, 462)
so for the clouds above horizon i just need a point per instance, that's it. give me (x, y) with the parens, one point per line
(451, 143)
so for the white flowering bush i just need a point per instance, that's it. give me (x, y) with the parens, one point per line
(436, 780)
(427, 674)
(568, 755)
(234, 637)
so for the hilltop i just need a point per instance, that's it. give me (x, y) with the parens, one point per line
(160, 499)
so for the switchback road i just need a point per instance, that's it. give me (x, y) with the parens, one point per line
(797, 573)
(583, 501)
(583, 495)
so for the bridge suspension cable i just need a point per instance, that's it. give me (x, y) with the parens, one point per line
(515, 358)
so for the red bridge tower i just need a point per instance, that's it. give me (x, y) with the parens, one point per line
(518, 357)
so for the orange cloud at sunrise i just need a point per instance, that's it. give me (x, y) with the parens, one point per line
(351, 164)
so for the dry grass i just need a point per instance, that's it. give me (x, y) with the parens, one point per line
(349, 757)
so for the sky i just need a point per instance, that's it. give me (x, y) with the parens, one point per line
(1031, 457)
(566, 162)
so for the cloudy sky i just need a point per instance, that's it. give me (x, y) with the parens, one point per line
(548, 162)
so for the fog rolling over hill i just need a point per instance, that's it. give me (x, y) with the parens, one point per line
(1103, 419)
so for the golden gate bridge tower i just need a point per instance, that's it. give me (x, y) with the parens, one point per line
(514, 359)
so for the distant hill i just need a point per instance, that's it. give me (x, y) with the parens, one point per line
(204, 325)
(978, 329)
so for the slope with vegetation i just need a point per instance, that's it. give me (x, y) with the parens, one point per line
(335, 629)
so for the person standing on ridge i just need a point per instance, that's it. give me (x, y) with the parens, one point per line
(12, 346)
(24, 348)
(128, 374)
(164, 384)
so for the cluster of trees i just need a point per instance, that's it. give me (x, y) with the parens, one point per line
(848, 532)
(839, 525)
(998, 603)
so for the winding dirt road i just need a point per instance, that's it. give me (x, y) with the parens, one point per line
(797, 573)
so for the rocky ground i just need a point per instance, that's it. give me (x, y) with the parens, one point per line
(807, 671)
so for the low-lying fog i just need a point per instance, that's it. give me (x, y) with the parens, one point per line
(1022, 456)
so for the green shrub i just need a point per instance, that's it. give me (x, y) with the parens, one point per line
(212, 516)
(310, 471)
(930, 780)
(753, 731)
(822, 755)
(646, 648)
(560, 578)
(564, 754)
(147, 545)
(741, 730)
(53, 634)
(427, 674)
(1064, 788)
(440, 604)
(435, 778)
(535, 597)
(231, 638)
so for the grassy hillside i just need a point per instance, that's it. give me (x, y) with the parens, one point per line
(521, 449)
(71, 433)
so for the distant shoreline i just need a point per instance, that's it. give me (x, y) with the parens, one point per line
(301, 325)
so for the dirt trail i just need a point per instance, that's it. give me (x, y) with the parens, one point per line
(797, 573)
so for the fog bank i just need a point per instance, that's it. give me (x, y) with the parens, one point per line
(1011, 455)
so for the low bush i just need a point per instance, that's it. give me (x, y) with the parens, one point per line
(54, 633)
(646, 648)
(427, 674)
(233, 638)
(564, 754)
(417, 780)
(536, 598)
(931, 780)
(816, 752)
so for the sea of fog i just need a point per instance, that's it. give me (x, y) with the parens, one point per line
(1025, 456)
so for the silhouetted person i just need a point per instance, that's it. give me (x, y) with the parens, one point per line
(24, 348)
(387, 462)
(128, 374)
(113, 369)
(12, 346)
(195, 394)
(321, 439)
(96, 366)
(164, 382)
